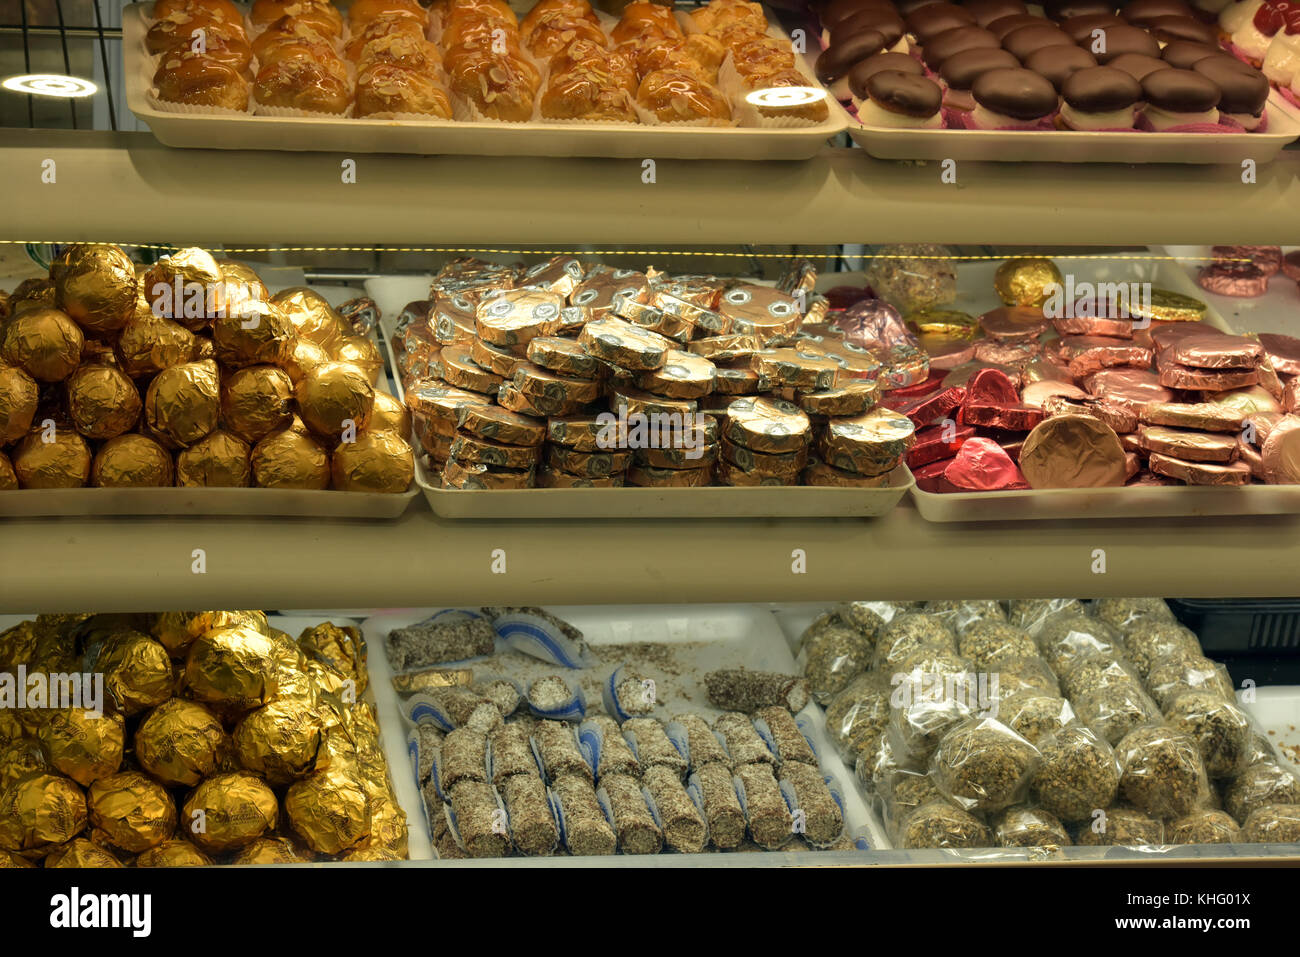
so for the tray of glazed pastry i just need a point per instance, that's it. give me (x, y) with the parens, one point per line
(1082, 388)
(571, 389)
(988, 80)
(473, 76)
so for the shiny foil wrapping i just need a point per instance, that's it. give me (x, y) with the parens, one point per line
(1013, 323)
(96, 286)
(1093, 326)
(472, 475)
(800, 369)
(237, 272)
(8, 477)
(1026, 281)
(457, 367)
(136, 669)
(760, 311)
(255, 401)
(133, 811)
(45, 343)
(131, 461)
(1199, 473)
(311, 316)
(471, 448)
(1037, 393)
(646, 476)
(362, 352)
(559, 274)
(604, 287)
(342, 647)
(1195, 415)
(221, 459)
(33, 293)
(981, 465)
(185, 266)
(1131, 388)
(1175, 376)
(625, 345)
(283, 741)
(588, 464)
(148, 343)
(725, 348)
(289, 458)
(82, 853)
(1121, 419)
(937, 405)
(511, 318)
(102, 401)
(1283, 352)
(271, 850)
(767, 425)
(41, 810)
(62, 463)
(548, 390)
(852, 398)
(1073, 451)
(452, 318)
(173, 853)
(564, 356)
(333, 396)
(937, 442)
(237, 808)
(1280, 453)
(19, 395)
(784, 466)
(1214, 350)
(728, 473)
(259, 332)
(329, 811)
(232, 666)
(375, 462)
(183, 403)
(81, 744)
(180, 742)
(869, 444)
(818, 473)
(302, 357)
(683, 375)
(501, 425)
(548, 477)
(1168, 306)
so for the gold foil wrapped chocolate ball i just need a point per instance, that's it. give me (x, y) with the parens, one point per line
(33, 294)
(334, 400)
(282, 741)
(237, 272)
(183, 403)
(134, 811)
(271, 850)
(232, 666)
(221, 459)
(255, 334)
(61, 462)
(18, 645)
(81, 853)
(204, 349)
(173, 853)
(148, 343)
(362, 353)
(329, 810)
(202, 622)
(20, 757)
(102, 401)
(255, 401)
(136, 670)
(44, 343)
(304, 356)
(10, 860)
(375, 462)
(341, 647)
(196, 272)
(1026, 280)
(96, 286)
(228, 811)
(312, 317)
(179, 742)
(290, 459)
(40, 810)
(390, 415)
(8, 477)
(131, 461)
(82, 744)
(19, 395)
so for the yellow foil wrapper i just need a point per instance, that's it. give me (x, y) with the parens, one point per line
(1025, 281)
(232, 666)
(81, 853)
(202, 622)
(256, 333)
(388, 831)
(8, 859)
(221, 459)
(290, 459)
(237, 272)
(390, 415)
(1167, 306)
(335, 401)
(341, 647)
(303, 356)
(411, 682)
(18, 645)
(102, 401)
(204, 349)
(148, 343)
(134, 811)
(375, 462)
(256, 401)
(83, 745)
(131, 461)
(767, 425)
(180, 742)
(283, 741)
(311, 316)
(947, 323)
(63, 462)
(187, 266)
(40, 810)
(96, 286)
(19, 757)
(136, 670)
(183, 403)
(45, 343)
(172, 629)
(272, 850)
(8, 477)
(173, 853)
(362, 353)
(19, 395)
(33, 294)
(229, 811)
(329, 810)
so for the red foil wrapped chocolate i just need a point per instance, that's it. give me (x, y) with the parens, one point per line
(929, 408)
(937, 442)
(981, 465)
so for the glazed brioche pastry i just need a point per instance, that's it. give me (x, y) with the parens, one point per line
(775, 106)
(676, 96)
(323, 16)
(386, 25)
(500, 86)
(706, 50)
(181, 31)
(720, 14)
(641, 18)
(197, 80)
(553, 35)
(586, 93)
(605, 67)
(387, 89)
(660, 53)
(760, 55)
(546, 9)
(400, 50)
(288, 30)
(362, 12)
(320, 53)
(480, 29)
(217, 9)
(302, 84)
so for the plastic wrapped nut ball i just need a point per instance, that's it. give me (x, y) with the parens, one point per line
(229, 811)
(940, 824)
(983, 765)
(1222, 730)
(1122, 612)
(1066, 639)
(1176, 673)
(832, 657)
(180, 742)
(96, 286)
(1203, 827)
(1121, 826)
(1161, 771)
(335, 401)
(1078, 774)
(1260, 784)
(856, 718)
(1031, 613)
(913, 276)
(908, 634)
(134, 811)
(1091, 675)
(1272, 824)
(987, 641)
(1015, 675)
(1025, 826)
(960, 614)
(375, 462)
(1149, 638)
(1034, 715)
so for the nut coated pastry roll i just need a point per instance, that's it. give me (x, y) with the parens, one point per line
(303, 83)
(510, 752)
(500, 86)
(703, 746)
(722, 811)
(385, 90)
(738, 689)
(682, 823)
(816, 809)
(601, 737)
(582, 822)
(783, 734)
(744, 746)
(462, 756)
(532, 824)
(770, 822)
(557, 748)
(480, 820)
(652, 745)
(624, 803)
(195, 79)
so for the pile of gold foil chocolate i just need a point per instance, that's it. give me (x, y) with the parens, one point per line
(189, 372)
(189, 738)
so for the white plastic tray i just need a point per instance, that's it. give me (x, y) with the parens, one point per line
(1276, 709)
(728, 636)
(614, 140)
(1278, 310)
(304, 503)
(1070, 146)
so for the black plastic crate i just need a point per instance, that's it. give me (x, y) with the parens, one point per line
(1242, 625)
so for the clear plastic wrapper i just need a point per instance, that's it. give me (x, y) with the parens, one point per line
(1078, 774)
(870, 616)
(958, 614)
(1027, 826)
(916, 729)
(1161, 771)
(1221, 729)
(1065, 639)
(907, 634)
(1121, 826)
(899, 793)
(986, 641)
(1148, 638)
(1272, 824)
(1090, 675)
(1203, 827)
(1031, 613)
(1115, 711)
(583, 825)
(1261, 784)
(627, 693)
(1120, 612)
(1029, 673)
(1173, 674)
(940, 824)
(983, 765)
(1034, 715)
(857, 717)
(832, 656)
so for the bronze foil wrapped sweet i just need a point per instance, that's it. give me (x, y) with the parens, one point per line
(202, 622)
(83, 744)
(1280, 453)
(289, 458)
(180, 742)
(232, 666)
(81, 853)
(272, 850)
(255, 401)
(310, 315)
(131, 461)
(136, 669)
(193, 272)
(8, 477)
(41, 810)
(329, 810)
(18, 398)
(102, 401)
(341, 647)
(220, 459)
(283, 741)
(375, 462)
(134, 811)
(8, 859)
(303, 356)
(173, 853)
(362, 353)
(33, 293)
(229, 811)
(96, 286)
(335, 398)
(390, 415)
(61, 462)
(236, 272)
(19, 757)
(183, 403)
(1072, 451)
(1026, 280)
(45, 343)
(258, 332)
(148, 343)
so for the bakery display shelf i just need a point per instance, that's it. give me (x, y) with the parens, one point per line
(129, 188)
(1277, 311)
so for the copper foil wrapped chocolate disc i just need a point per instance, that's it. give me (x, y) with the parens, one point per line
(220, 459)
(1195, 415)
(1072, 451)
(334, 399)
(173, 853)
(329, 810)
(45, 343)
(148, 343)
(179, 742)
(290, 459)
(1283, 352)
(625, 345)
(136, 670)
(8, 477)
(820, 474)
(1200, 473)
(63, 462)
(183, 403)
(767, 425)
(1281, 453)
(195, 271)
(550, 391)
(1015, 323)
(19, 395)
(1132, 388)
(134, 811)
(471, 448)
(511, 318)
(1026, 281)
(302, 357)
(311, 316)
(375, 462)
(683, 375)
(725, 348)
(870, 444)
(564, 356)
(102, 401)
(232, 666)
(282, 741)
(475, 475)
(501, 425)
(83, 745)
(759, 311)
(548, 477)
(237, 808)
(1211, 349)
(41, 810)
(96, 286)
(255, 401)
(362, 353)
(257, 332)
(852, 398)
